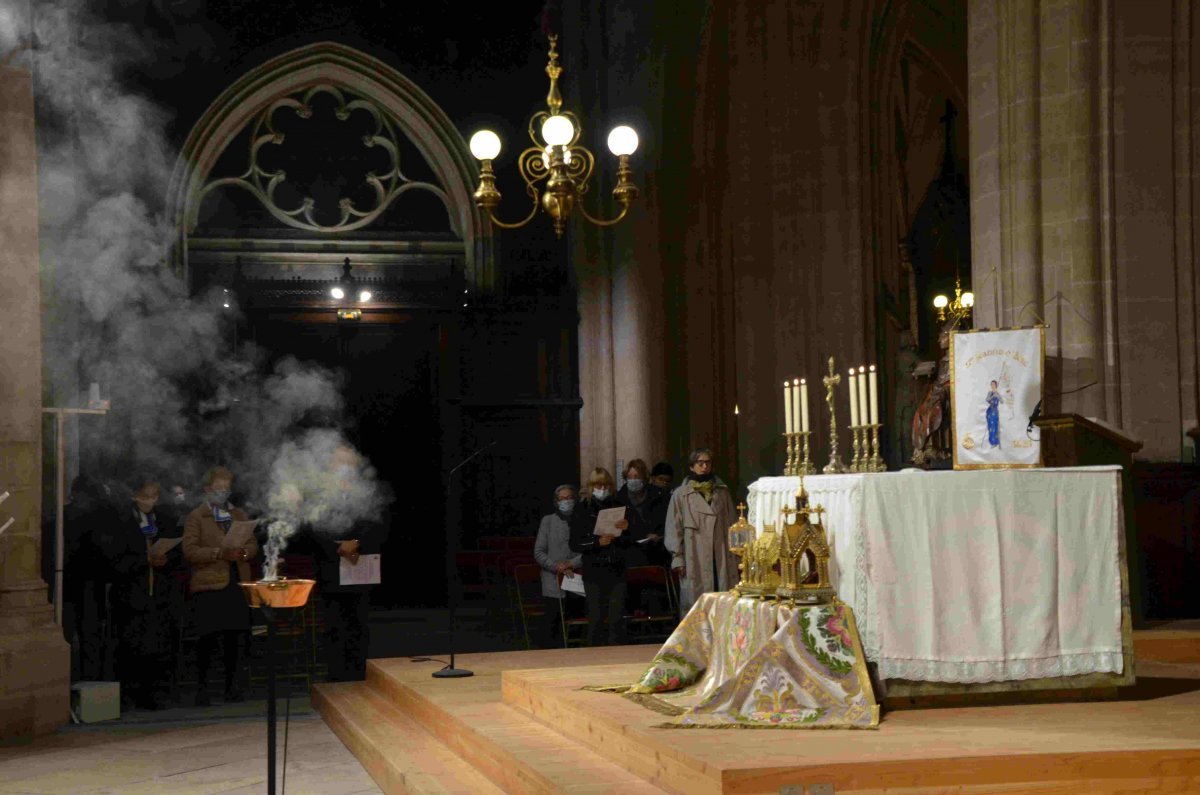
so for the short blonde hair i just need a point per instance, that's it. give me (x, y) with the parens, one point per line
(600, 477)
(216, 473)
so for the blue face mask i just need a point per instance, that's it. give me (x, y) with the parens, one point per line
(218, 497)
(635, 485)
(566, 507)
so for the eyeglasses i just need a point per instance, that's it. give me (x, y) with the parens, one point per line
(703, 462)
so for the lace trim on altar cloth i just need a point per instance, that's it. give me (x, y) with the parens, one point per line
(965, 672)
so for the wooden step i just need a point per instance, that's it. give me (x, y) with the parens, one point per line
(400, 755)
(1167, 644)
(1150, 735)
(517, 753)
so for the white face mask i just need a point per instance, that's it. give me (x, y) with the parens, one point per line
(635, 485)
(600, 494)
(565, 507)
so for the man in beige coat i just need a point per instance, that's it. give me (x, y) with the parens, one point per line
(698, 521)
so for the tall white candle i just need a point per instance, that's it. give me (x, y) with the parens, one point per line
(796, 405)
(787, 407)
(874, 385)
(862, 395)
(804, 405)
(853, 399)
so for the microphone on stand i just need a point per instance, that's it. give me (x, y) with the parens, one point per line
(450, 672)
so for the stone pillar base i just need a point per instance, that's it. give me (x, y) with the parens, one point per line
(35, 665)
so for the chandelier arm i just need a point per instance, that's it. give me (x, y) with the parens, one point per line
(516, 225)
(600, 221)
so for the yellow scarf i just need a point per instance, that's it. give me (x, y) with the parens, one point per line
(705, 489)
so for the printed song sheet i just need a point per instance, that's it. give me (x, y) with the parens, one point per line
(365, 572)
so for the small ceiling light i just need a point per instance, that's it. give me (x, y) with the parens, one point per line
(226, 304)
(364, 296)
(338, 293)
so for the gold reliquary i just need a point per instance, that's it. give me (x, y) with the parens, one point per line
(791, 564)
(804, 554)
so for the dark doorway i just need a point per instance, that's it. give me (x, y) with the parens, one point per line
(389, 375)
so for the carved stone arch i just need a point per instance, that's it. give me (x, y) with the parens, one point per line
(330, 64)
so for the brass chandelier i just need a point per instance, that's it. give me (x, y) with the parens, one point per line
(556, 159)
(959, 309)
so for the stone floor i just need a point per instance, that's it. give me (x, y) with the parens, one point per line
(217, 750)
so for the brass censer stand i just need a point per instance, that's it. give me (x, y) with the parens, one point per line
(272, 595)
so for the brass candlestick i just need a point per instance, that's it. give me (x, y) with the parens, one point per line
(876, 463)
(856, 462)
(805, 466)
(789, 468)
(835, 465)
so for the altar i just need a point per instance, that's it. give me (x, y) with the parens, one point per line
(977, 581)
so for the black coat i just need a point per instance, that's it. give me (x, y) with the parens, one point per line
(648, 518)
(583, 540)
(323, 546)
(144, 615)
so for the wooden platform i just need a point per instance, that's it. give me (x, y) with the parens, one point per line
(523, 725)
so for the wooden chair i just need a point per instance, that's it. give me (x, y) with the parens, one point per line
(659, 624)
(527, 581)
(577, 622)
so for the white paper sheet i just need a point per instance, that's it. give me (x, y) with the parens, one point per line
(573, 584)
(365, 572)
(239, 535)
(606, 522)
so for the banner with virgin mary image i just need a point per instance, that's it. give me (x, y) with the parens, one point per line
(995, 386)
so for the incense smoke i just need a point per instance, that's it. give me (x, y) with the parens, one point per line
(184, 398)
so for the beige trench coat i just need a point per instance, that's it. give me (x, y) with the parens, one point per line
(697, 534)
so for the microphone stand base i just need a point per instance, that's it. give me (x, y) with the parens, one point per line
(452, 673)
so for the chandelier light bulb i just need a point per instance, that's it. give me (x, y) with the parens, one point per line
(623, 140)
(364, 296)
(940, 301)
(485, 145)
(338, 293)
(968, 299)
(557, 131)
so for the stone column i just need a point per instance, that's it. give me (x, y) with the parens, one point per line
(1041, 188)
(34, 658)
(611, 71)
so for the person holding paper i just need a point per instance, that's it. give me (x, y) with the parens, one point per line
(552, 551)
(142, 553)
(218, 549)
(602, 543)
(339, 549)
(698, 523)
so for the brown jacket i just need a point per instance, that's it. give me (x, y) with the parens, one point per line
(202, 538)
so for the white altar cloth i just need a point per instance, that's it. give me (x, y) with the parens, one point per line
(973, 576)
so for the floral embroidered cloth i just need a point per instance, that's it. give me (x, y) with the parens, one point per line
(750, 663)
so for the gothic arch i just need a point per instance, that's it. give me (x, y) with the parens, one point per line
(332, 64)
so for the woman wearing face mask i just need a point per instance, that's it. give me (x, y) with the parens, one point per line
(647, 514)
(603, 560)
(552, 551)
(143, 598)
(221, 611)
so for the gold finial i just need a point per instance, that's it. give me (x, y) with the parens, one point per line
(553, 70)
(741, 509)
